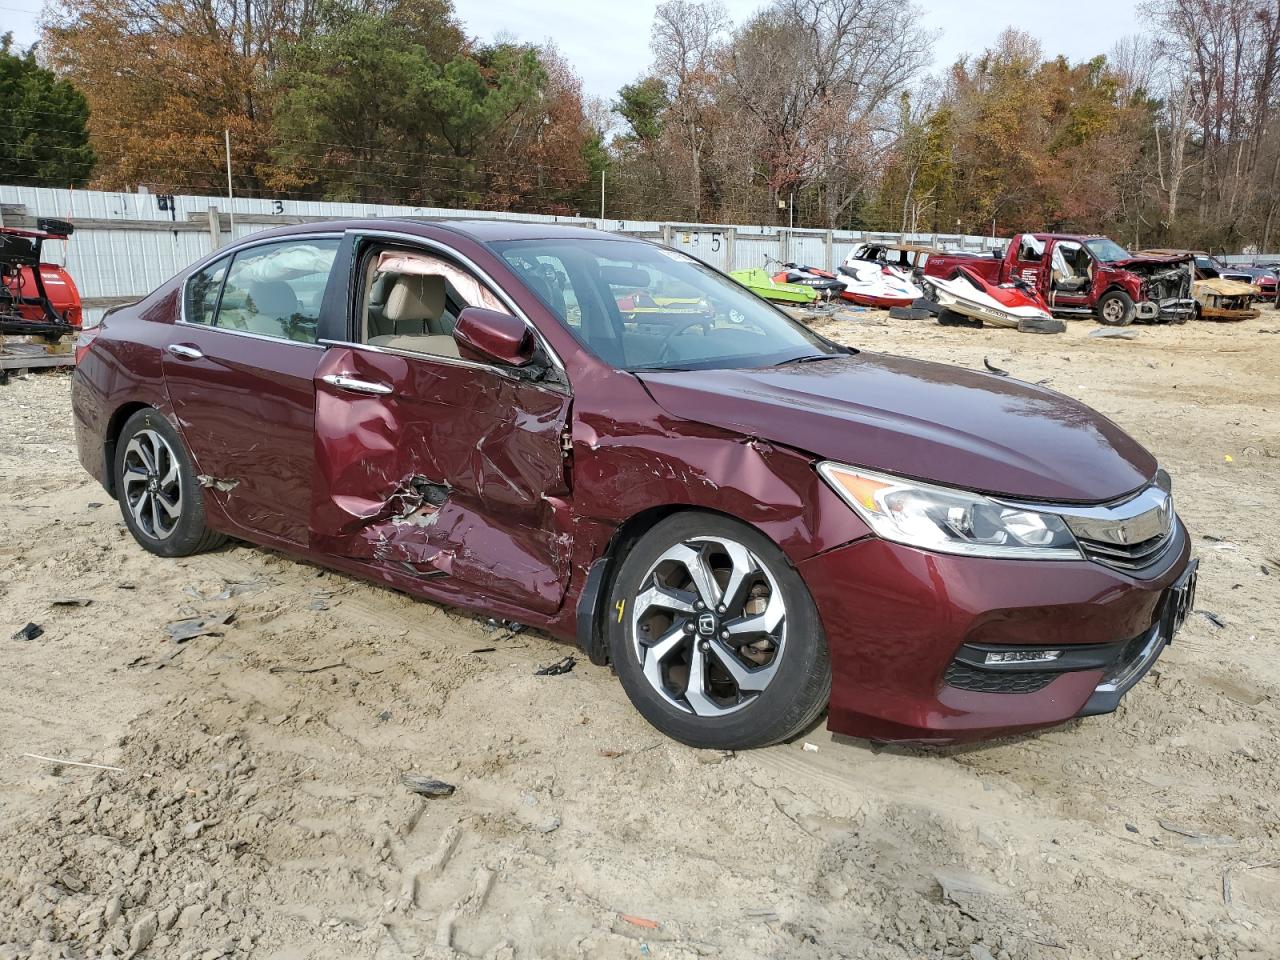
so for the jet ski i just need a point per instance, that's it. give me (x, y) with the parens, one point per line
(1001, 305)
(826, 285)
(876, 285)
(761, 284)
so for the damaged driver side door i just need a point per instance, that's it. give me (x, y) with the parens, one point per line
(429, 464)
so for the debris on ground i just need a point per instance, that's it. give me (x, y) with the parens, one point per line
(993, 368)
(180, 631)
(1114, 333)
(30, 632)
(1213, 618)
(638, 921)
(229, 589)
(427, 786)
(73, 763)
(556, 669)
(70, 602)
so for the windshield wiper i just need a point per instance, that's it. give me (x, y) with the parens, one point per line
(809, 358)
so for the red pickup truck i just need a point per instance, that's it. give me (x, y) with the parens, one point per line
(1080, 276)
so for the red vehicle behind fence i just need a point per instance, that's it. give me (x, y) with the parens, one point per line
(1082, 276)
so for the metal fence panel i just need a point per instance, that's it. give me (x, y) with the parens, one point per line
(123, 249)
(709, 245)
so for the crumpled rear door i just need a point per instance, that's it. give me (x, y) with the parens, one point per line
(455, 472)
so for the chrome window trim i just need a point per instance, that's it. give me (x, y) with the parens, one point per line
(229, 254)
(494, 288)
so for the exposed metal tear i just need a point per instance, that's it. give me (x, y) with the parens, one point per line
(215, 483)
(417, 501)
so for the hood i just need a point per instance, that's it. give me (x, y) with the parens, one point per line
(929, 421)
(1148, 262)
(1226, 288)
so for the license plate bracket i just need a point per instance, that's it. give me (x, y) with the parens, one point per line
(1179, 599)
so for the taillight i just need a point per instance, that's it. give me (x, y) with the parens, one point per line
(84, 342)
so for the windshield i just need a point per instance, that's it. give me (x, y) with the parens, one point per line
(639, 306)
(1108, 251)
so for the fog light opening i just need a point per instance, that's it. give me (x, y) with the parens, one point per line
(1022, 656)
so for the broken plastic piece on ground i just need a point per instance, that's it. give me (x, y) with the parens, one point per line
(1213, 618)
(1118, 333)
(557, 668)
(70, 602)
(427, 786)
(638, 921)
(485, 650)
(30, 632)
(810, 747)
(180, 631)
(993, 368)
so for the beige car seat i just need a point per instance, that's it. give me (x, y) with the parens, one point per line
(413, 317)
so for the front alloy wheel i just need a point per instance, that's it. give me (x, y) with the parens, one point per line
(714, 635)
(709, 626)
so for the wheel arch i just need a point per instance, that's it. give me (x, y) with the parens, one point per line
(115, 424)
(592, 609)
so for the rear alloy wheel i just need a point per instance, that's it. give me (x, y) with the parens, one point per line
(1115, 309)
(716, 640)
(160, 499)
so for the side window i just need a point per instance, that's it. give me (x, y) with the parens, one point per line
(411, 301)
(202, 293)
(1030, 250)
(275, 290)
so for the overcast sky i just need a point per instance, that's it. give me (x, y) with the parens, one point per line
(608, 42)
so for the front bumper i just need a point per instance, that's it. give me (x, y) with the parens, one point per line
(897, 620)
(1166, 311)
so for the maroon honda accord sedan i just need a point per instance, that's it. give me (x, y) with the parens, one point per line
(609, 440)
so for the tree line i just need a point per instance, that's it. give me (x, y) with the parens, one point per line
(817, 113)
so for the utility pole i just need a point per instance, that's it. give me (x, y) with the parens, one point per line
(792, 217)
(231, 207)
(602, 193)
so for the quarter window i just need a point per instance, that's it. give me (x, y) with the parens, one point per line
(202, 293)
(275, 290)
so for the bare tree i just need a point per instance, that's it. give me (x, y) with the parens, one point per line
(685, 39)
(817, 80)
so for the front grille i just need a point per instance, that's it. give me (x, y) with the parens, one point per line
(966, 677)
(1129, 535)
(1129, 556)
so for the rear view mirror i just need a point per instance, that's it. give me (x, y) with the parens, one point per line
(490, 336)
(616, 276)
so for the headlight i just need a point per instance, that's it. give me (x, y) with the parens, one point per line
(949, 521)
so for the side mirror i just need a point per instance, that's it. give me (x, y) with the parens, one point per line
(490, 336)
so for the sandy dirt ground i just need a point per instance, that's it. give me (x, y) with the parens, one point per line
(258, 809)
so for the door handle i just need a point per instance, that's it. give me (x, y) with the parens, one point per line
(184, 352)
(343, 382)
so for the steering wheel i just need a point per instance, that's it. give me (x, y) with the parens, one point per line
(706, 322)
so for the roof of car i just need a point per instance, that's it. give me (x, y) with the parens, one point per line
(489, 231)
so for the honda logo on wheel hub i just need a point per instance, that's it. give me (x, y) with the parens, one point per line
(706, 624)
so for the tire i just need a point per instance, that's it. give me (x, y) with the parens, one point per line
(1041, 326)
(160, 499)
(1115, 309)
(781, 695)
(927, 305)
(949, 318)
(909, 313)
